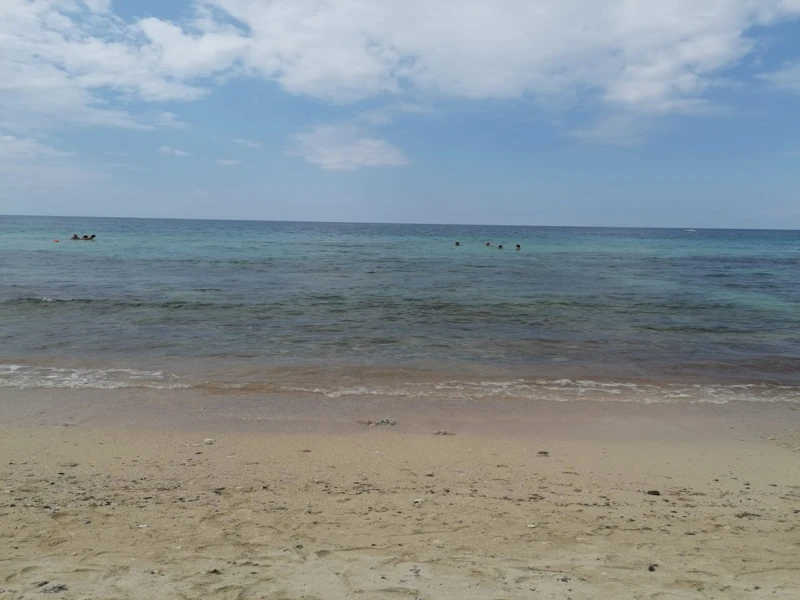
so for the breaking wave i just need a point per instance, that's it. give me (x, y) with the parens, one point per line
(327, 386)
(37, 377)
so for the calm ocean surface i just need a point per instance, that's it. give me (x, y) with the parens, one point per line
(357, 309)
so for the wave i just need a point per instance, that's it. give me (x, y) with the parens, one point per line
(566, 390)
(126, 303)
(44, 300)
(415, 310)
(325, 385)
(35, 377)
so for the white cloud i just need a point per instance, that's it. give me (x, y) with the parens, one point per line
(171, 120)
(632, 54)
(172, 151)
(227, 162)
(247, 143)
(75, 63)
(787, 78)
(618, 129)
(28, 165)
(98, 6)
(14, 148)
(182, 56)
(345, 147)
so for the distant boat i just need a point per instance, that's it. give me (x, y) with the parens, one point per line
(690, 230)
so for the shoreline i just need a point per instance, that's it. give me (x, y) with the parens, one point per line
(453, 382)
(153, 495)
(243, 411)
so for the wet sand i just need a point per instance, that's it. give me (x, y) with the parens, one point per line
(109, 495)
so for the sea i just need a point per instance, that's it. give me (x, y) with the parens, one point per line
(365, 310)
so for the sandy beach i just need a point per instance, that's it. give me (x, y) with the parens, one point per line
(543, 501)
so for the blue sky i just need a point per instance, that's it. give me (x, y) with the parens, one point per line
(550, 112)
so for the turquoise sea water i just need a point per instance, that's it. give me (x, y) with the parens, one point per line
(395, 309)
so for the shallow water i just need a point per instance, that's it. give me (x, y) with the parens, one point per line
(398, 309)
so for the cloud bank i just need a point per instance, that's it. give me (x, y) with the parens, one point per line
(75, 63)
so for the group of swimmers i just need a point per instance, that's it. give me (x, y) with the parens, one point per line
(499, 246)
(86, 238)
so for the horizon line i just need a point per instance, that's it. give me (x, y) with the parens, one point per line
(394, 223)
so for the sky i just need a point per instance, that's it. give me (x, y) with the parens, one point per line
(676, 113)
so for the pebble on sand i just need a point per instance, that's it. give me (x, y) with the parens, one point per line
(653, 493)
(208, 441)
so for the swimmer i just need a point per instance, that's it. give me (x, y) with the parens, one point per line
(74, 237)
(500, 247)
(458, 243)
(488, 244)
(91, 239)
(517, 248)
(85, 238)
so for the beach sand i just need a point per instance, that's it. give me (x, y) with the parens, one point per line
(107, 496)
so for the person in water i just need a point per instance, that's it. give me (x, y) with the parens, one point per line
(488, 244)
(91, 239)
(500, 247)
(86, 238)
(458, 243)
(75, 236)
(518, 247)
